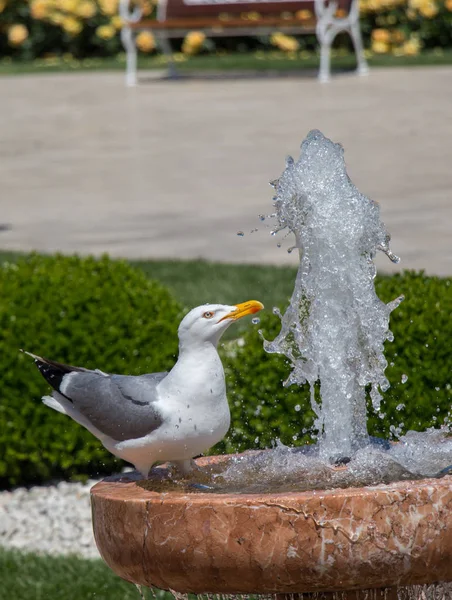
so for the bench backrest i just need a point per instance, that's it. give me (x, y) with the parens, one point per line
(183, 9)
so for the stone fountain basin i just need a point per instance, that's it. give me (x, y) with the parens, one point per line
(341, 539)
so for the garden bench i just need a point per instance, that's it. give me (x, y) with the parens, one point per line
(215, 18)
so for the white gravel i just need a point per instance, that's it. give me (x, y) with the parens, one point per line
(54, 519)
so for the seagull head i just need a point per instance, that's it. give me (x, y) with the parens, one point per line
(208, 322)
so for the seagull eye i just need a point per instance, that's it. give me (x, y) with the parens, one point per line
(208, 315)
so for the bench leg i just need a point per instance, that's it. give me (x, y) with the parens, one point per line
(326, 32)
(355, 33)
(128, 41)
(325, 61)
(168, 52)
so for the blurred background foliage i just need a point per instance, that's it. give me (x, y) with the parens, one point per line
(76, 29)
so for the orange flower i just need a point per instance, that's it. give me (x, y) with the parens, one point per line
(145, 41)
(381, 35)
(17, 34)
(193, 42)
(303, 15)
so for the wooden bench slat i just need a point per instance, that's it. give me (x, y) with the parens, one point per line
(199, 23)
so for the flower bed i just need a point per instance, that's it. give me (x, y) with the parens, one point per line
(80, 28)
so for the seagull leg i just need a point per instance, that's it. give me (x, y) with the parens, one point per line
(185, 467)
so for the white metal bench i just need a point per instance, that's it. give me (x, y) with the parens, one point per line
(223, 18)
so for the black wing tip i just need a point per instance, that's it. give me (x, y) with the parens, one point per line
(52, 372)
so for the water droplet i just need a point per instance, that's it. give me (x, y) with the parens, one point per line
(262, 217)
(400, 406)
(297, 407)
(255, 321)
(291, 249)
(437, 389)
(404, 378)
(278, 245)
(240, 233)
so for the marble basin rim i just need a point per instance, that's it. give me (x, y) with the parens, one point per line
(323, 540)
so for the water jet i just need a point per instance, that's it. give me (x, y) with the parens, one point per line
(345, 515)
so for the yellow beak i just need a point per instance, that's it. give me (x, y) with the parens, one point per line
(243, 309)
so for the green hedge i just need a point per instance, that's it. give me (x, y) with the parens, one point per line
(106, 314)
(93, 313)
(263, 410)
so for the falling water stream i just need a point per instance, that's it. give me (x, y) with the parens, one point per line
(333, 334)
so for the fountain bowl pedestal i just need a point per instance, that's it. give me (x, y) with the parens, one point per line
(278, 543)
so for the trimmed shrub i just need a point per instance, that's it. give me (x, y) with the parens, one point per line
(263, 410)
(93, 313)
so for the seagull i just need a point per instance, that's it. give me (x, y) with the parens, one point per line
(157, 417)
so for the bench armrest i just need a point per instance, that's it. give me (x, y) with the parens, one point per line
(127, 14)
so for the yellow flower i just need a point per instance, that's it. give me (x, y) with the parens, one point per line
(69, 6)
(56, 18)
(303, 15)
(411, 47)
(116, 21)
(86, 9)
(381, 35)
(447, 4)
(71, 25)
(287, 43)
(193, 42)
(380, 47)
(17, 34)
(145, 41)
(147, 7)
(108, 7)
(428, 9)
(106, 32)
(39, 9)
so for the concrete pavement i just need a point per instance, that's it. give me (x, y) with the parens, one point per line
(175, 169)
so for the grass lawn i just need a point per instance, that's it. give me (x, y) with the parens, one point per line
(32, 577)
(197, 282)
(250, 61)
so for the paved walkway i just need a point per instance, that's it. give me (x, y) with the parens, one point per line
(175, 169)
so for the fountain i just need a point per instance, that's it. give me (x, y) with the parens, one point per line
(314, 519)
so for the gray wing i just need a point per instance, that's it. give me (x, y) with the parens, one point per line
(120, 406)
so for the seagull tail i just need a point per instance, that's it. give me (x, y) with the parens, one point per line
(52, 402)
(52, 371)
